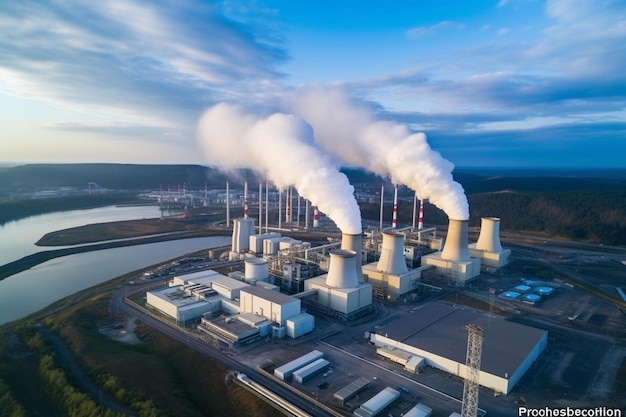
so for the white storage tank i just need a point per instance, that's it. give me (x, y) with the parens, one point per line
(256, 269)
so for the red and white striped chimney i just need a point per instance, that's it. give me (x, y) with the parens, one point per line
(420, 221)
(394, 219)
(245, 199)
(316, 217)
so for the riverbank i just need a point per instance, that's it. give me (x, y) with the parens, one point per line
(30, 261)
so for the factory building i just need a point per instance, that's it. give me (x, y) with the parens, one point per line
(454, 261)
(488, 247)
(436, 332)
(377, 403)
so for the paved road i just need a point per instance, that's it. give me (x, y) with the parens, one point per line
(193, 341)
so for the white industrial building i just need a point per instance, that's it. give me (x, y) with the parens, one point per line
(284, 372)
(377, 403)
(488, 247)
(437, 333)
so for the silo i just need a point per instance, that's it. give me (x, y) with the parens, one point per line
(256, 269)
(489, 238)
(456, 246)
(392, 254)
(342, 269)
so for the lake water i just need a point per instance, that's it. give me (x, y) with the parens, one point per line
(17, 238)
(24, 293)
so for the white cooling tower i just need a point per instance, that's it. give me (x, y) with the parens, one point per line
(392, 254)
(256, 269)
(342, 269)
(489, 238)
(242, 229)
(353, 243)
(456, 246)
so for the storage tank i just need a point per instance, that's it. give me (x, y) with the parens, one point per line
(256, 269)
(392, 254)
(456, 246)
(489, 238)
(342, 269)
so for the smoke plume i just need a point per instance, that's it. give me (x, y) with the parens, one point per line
(280, 147)
(347, 130)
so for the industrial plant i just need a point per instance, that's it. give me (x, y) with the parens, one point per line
(286, 285)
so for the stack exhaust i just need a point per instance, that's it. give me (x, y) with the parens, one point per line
(394, 219)
(353, 243)
(245, 200)
(489, 238)
(392, 254)
(316, 217)
(456, 246)
(342, 269)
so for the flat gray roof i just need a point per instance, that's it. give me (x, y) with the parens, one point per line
(273, 296)
(439, 328)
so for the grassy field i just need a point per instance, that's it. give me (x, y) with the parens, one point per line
(158, 374)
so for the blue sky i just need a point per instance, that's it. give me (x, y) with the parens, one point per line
(491, 83)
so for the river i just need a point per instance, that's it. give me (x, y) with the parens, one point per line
(24, 293)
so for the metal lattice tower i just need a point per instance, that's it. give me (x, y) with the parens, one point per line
(470, 389)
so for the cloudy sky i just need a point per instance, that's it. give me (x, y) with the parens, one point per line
(491, 83)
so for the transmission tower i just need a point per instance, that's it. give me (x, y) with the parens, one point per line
(470, 388)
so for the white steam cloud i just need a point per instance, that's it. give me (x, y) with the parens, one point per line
(280, 147)
(347, 130)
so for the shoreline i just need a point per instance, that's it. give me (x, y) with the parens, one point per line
(37, 258)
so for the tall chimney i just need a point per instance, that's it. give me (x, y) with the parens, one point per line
(267, 205)
(280, 208)
(227, 204)
(316, 217)
(420, 221)
(489, 238)
(288, 204)
(245, 199)
(394, 220)
(456, 246)
(382, 200)
(353, 243)
(260, 207)
(392, 254)
(306, 215)
(342, 269)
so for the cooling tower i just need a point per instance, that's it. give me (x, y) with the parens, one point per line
(456, 246)
(342, 269)
(489, 238)
(392, 254)
(353, 243)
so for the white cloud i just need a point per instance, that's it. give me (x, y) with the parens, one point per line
(421, 31)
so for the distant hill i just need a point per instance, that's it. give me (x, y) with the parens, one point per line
(589, 206)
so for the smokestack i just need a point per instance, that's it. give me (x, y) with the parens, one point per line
(245, 199)
(456, 246)
(298, 215)
(227, 204)
(267, 206)
(280, 208)
(306, 215)
(420, 222)
(394, 219)
(489, 238)
(353, 243)
(260, 207)
(316, 217)
(392, 254)
(342, 269)
(288, 205)
(382, 199)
